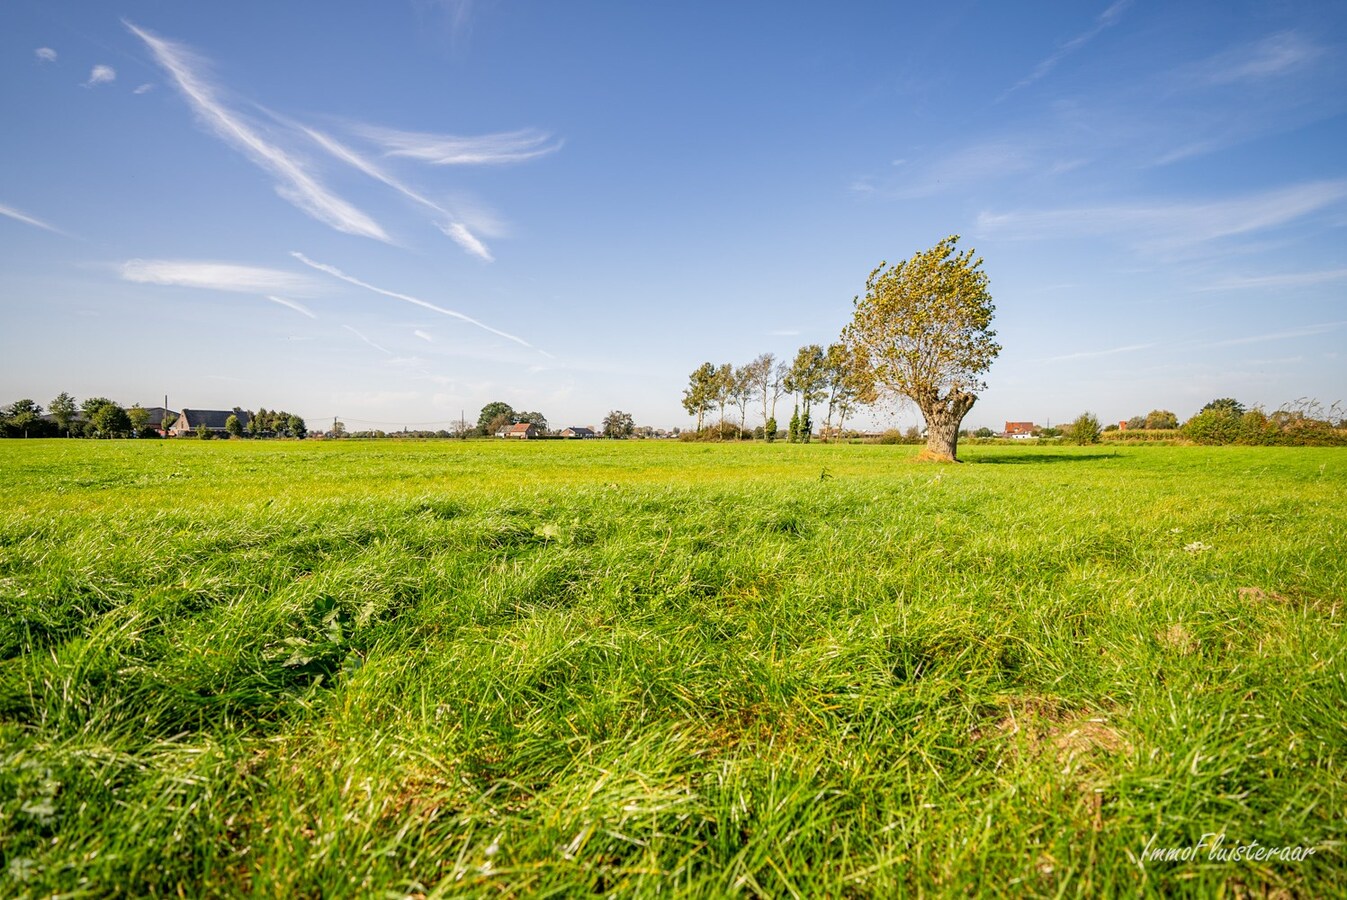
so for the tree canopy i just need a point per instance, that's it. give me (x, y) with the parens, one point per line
(491, 412)
(923, 331)
(618, 424)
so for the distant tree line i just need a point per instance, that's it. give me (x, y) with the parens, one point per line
(1301, 423)
(268, 423)
(816, 380)
(99, 417)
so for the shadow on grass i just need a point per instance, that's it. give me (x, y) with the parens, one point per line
(1023, 458)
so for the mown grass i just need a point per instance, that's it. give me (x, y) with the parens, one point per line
(390, 669)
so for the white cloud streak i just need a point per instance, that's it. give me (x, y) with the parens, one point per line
(454, 229)
(459, 234)
(215, 276)
(296, 184)
(143, 89)
(1272, 57)
(452, 150)
(424, 336)
(337, 273)
(381, 349)
(1303, 331)
(1289, 279)
(16, 215)
(1106, 19)
(291, 304)
(45, 54)
(1092, 354)
(1171, 225)
(101, 74)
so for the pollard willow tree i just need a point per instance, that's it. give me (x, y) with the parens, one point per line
(923, 331)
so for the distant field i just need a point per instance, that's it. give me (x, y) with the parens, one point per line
(387, 669)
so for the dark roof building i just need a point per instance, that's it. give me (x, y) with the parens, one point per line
(214, 420)
(578, 431)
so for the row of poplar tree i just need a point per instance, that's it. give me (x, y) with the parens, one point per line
(817, 380)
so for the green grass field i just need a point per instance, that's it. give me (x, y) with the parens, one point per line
(389, 669)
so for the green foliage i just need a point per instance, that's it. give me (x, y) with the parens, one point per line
(63, 410)
(984, 432)
(203, 433)
(769, 430)
(1214, 425)
(700, 394)
(491, 414)
(272, 423)
(618, 424)
(233, 426)
(1143, 436)
(1227, 405)
(536, 419)
(923, 331)
(808, 375)
(1161, 419)
(1084, 430)
(23, 415)
(139, 417)
(107, 419)
(793, 433)
(617, 669)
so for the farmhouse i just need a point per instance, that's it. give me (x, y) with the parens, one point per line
(157, 416)
(522, 430)
(214, 420)
(578, 431)
(1020, 430)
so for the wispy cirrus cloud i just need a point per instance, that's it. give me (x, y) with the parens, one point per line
(216, 276)
(101, 74)
(1094, 354)
(1288, 334)
(1104, 20)
(12, 213)
(45, 54)
(291, 304)
(143, 89)
(453, 150)
(456, 230)
(339, 274)
(1271, 57)
(425, 336)
(1171, 225)
(296, 183)
(1288, 279)
(364, 338)
(459, 234)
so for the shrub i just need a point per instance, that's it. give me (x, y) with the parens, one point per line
(1213, 426)
(1084, 430)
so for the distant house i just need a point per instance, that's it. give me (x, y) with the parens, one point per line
(523, 430)
(214, 420)
(1020, 430)
(579, 431)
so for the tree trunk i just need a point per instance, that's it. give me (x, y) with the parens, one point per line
(943, 419)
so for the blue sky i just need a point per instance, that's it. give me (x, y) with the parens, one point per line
(393, 212)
